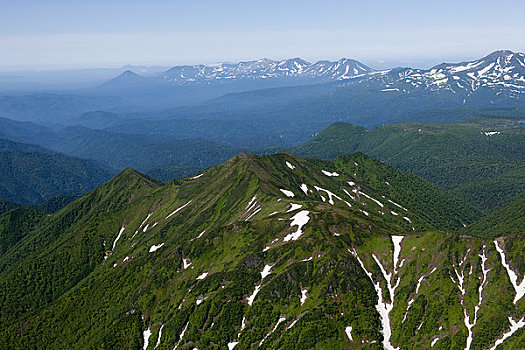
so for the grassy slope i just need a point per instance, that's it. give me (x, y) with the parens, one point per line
(67, 281)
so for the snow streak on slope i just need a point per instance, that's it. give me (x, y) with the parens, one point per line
(181, 335)
(469, 324)
(265, 272)
(118, 236)
(519, 288)
(281, 319)
(160, 336)
(384, 307)
(177, 210)
(514, 326)
(331, 195)
(328, 173)
(251, 298)
(419, 281)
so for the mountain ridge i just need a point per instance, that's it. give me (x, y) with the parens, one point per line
(259, 252)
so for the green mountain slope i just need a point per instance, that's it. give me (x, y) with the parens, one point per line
(507, 220)
(260, 252)
(481, 161)
(6, 206)
(31, 177)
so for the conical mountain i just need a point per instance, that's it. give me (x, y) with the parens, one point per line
(260, 252)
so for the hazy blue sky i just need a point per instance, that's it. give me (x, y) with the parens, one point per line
(94, 33)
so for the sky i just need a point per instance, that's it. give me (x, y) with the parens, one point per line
(55, 34)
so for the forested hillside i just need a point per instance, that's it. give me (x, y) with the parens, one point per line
(31, 177)
(480, 160)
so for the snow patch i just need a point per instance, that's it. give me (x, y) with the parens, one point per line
(250, 203)
(196, 176)
(146, 219)
(294, 207)
(199, 236)
(287, 193)
(266, 271)
(396, 240)
(252, 214)
(490, 133)
(304, 188)
(232, 344)
(300, 219)
(146, 334)
(289, 165)
(186, 263)
(292, 324)
(327, 173)
(202, 276)
(348, 331)
(303, 296)
(155, 247)
(349, 195)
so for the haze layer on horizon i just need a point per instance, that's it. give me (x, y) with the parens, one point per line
(61, 34)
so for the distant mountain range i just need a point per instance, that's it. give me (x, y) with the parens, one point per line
(267, 69)
(502, 71)
(295, 68)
